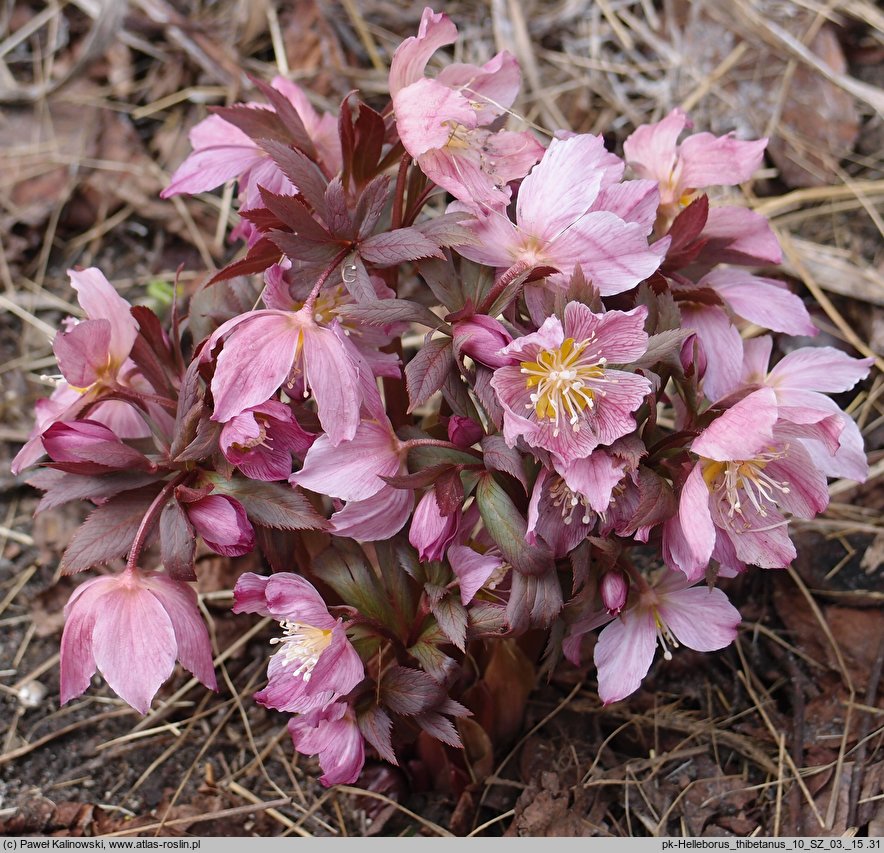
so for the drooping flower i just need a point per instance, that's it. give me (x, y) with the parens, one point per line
(315, 664)
(670, 613)
(88, 447)
(333, 734)
(751, 470)
(132, 627)
(430, 531)
(475, 571)
(481, 338)
(93, 355)
(223, 524)
(682, 170)
(562, 395)
(266, 350)
(443, 123)
(260, 441)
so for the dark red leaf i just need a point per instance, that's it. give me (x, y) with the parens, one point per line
(375, 725)
(177, 542)
(409, 691)
(426, 372)
(390, 248)
(301, 171)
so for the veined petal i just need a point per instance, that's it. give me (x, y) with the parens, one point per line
(722, 346)
(700, 618)
(624, 653)
(472, 569)
(741, 431)
(411, 57)
(620, 335)
(100, 300)
(650, 150)
(709, 160)
(819, 369)
(379, 517)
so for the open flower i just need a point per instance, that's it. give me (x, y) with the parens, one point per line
(443, 122)
(596, 222)
(333, 734)
(669, 613)
(315, 664)
(562, 395)
(260, 441)
(132, 627)
(751, 470)
(266, 350)
(92, 355)
(701, 160)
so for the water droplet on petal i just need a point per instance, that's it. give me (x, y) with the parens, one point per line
(348, 274)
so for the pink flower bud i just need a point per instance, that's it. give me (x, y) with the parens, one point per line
(464, 432)
(482, 338)
(431, 532)
(614, 589)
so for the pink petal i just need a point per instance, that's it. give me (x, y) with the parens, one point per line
(339, 668)
(134, 645)
(550, 200)
(632, 201)
(77, 661)
(498, 242)
(472, 570)
(690, 537)
(700, 618)
(709, 161)
(100, 300)
(741, 431)
(82, 351)
(334, 382)
(249, 594)
(764, 301)
(424, 111)
(191, 636)
(819, 369)
(379, 517)
(620, 335)
(624, 653)
(614, 254)
(737, 235)
(594, 477)
(623, 394)
(808, 493)
(266, 342)
(351, 471)
(651, 149)
(493, 86)
(294, 599)
(756, 358)
(722, 346)
(411, 57)
(223, 524)
(849, 461)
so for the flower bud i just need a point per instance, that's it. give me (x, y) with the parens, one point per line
(614, 589)
(464, 432)
(431, 532)
(482, 338)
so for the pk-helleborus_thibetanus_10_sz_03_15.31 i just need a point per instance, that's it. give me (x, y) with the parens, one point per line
(578, 437)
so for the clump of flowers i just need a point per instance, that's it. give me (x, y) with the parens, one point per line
(582, 394)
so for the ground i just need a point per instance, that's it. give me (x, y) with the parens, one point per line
(779, 734)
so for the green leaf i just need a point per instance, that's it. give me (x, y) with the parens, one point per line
(270, 504)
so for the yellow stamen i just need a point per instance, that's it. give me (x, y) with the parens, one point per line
(302, 646)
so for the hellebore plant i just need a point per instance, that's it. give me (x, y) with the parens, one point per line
(580, 392)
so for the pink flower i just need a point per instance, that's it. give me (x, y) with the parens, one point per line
(260, 441)
(799, 381)
(352, 471)
(562, 395)
(333, 734)
(132, 627)
(265, 350)
(464, 432)
(475, 571)
(481, 338)
(668, 613)
(442, 123)
(702, 160)
(751, 470)
(431, 532)
(222, 152)
(92, 355)
(764, 301)
(560, 516)
(223, 524)
(613, 588)
(595, 222)
(315, 664)
(88, 447)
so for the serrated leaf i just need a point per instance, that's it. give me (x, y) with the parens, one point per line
(665, 348)
(437, 664)
(359, 283)
(444, 281)
(205, 442)
(271, 504)
(383, 312)
(288, 115)
(108, 532)
(486, 618)
(418, 480)
(298, 248)
(499, 456)
(390, 248)
(448, 230)
(507, 527)
(259, 257)
(375, 726)
(292, 212)
(300, 170)
(409, 691)
(177, 542)
(61, 487)
(426, 372)
(337, 216)
(535, 600)
(440, 728)
(371, 205)
(657, 502)
(452, 618)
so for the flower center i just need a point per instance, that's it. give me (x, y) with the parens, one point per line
(739, 481)
(664, 636)
(564, 497)
(459, 136)
(302, 646)
(561, 380)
